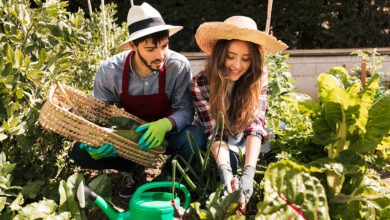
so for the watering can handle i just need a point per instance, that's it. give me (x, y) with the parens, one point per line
(152, 185)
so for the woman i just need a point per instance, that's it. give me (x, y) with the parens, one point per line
(235, 84)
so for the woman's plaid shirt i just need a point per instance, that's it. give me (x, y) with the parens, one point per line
(200, 94)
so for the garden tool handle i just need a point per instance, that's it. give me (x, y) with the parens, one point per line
(168, 184)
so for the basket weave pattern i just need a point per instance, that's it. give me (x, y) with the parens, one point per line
(56, 115)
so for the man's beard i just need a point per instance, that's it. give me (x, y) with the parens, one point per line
(146, 62)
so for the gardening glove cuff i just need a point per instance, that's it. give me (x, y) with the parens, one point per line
(104, 151)
(246, 183)
(226, 175)
(154, 133)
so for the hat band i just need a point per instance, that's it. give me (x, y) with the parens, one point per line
(146, 23)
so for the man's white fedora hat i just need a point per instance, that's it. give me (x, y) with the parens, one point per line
(144, 20)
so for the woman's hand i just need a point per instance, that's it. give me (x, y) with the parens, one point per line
(246, 183)
(226, 175)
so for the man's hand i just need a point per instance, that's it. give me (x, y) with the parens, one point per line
(154, 133)
(246, 184)
(225, 172)
(106, 150)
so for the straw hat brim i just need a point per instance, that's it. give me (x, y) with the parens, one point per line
(141, 33)
(209, 33)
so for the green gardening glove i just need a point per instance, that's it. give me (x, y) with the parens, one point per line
(106, 150)
(154, 133)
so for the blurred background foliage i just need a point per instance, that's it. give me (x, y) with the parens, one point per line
(302, 24)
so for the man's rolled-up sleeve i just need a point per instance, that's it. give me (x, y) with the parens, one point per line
(101, 86)
(183, 109)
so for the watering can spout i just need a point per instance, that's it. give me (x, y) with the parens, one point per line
(84, 192)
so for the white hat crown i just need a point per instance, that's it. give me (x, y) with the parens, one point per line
(143, 20)
(141, 12)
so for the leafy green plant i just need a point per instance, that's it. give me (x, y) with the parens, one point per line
(350, 119)
(40, 46)
(200, 171)
(15, 201)
(280, 80)
(292, 193)
(217, 207)
(289, 115)
(350, 123)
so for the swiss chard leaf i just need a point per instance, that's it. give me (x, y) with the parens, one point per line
(377, 127)
(291, 192)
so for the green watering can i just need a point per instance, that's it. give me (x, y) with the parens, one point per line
(143, 205)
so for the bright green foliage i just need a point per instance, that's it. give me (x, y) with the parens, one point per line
(44, 209)
(32, 189)
(350, 123)
(200, 171)
(290, 192)
(369, 200)
(290, 119)
(289, 114)
(350, 118)
(7, 191)
(13, 203)
(279, 79)
(39, 47)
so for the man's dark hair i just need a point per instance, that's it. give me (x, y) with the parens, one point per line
(156, 37)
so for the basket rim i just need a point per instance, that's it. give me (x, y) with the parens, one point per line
(142, 156)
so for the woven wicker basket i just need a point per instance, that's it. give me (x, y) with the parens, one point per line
(56, 116)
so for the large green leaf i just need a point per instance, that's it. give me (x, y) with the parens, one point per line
(323, 132)
(336, 105)
(68, 201)
(10, 53)
(291, 192)
(3, 200)
(356, 210)
(32, 188)
(222, 207)
(16, 205)
(341, 74)
(370, 200)
(101, 185)
(366, 101)
(37, 210)
(377, 127)
(385, 144)
(327, 84)
(303, 102)
(352, 119)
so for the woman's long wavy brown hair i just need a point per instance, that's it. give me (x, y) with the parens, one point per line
(239, 112)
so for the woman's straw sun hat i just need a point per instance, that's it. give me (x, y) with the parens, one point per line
(238, 28)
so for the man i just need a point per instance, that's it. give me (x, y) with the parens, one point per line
(151, 82)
